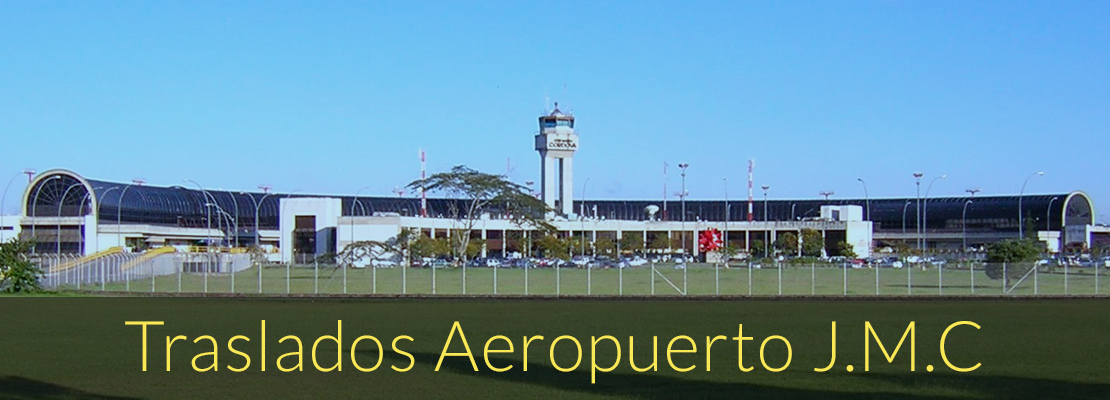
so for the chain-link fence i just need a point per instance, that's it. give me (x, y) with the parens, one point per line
(235, 273)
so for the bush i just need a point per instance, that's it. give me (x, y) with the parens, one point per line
(17, 273)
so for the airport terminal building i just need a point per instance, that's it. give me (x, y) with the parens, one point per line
(66, 212)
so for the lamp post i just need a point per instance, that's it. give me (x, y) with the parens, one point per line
(100, 204)
(5, 196)
(917, 210)
(257, 239)
(34, 204)
(1021, 224)
(925, 213)
(728, 209)
(904, 240)
(61, 201)
(582, 220)
(866, 199)
(119, 210)
(963, 224)
(1048, 215)
(683, 167)
(767, 234)
(826, 193)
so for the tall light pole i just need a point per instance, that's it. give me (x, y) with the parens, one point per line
(904, 240)
(767, 233)
(1021, 223)
(826, 193)
(728, 208)
(119, 210)
(963, 224)
(925, 213)
(582, 219)
(866, 200)
(257, 238)
(3, 197)
(1048, 215)
(61, 201)
(917, 210)
(683, 167)
(34, 206)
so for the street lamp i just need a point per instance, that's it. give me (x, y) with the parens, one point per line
(34, 204)
(1021, 224)
(963, 224)
(917, 210)
(1048, 215)
(728, 208)
(5, 196)
(904, 220)
(61, 201)
(119, 210)
(767, 233)
(826, 193)
(683, 167)
(866, 199)
(582, 219)
(925, 212)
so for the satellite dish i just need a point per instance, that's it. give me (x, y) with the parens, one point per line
(651, 210)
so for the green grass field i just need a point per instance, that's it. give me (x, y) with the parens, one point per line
(79, 348)
(700, 279)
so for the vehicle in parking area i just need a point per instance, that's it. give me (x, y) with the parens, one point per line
(439, 263)
(385, 263)
(493, 263)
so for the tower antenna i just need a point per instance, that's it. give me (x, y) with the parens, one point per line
(423, 176)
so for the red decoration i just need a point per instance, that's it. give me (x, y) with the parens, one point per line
(709, 240)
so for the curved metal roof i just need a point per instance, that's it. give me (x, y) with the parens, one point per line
(61, 192)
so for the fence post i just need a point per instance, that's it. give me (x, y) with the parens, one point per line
(405, 279)
(940, 273)
(433, 278)
(620, 282)
(1004, 278)
(495, 280)
(102, 283)
(1065, 279)
(464, 279)
(780, 277)
(589, 280)
(180, 270)
(909, 278)
(526, 268)
(316, 277)
(558, 290)
(1036, 285)
(374, 277)
(286, 276)
(717, 279)
(845, 268)
(749, 278)
(653, 278)
(876, 279)
(344, 274)
(153, 288)
(812, 278)
(971, 269)
(685, 267)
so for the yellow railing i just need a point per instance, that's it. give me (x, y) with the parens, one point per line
(149, 254)
(86, 259)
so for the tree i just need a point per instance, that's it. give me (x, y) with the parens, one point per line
(812, 243)
(660, 242)
(787, 243)
(1015, 250)
(632, 241)
(845, 249)
(475, 193)
(757, 248)
(425, 246)
(1010, 259)
(17, 273)
(554, 246)
(606, 246)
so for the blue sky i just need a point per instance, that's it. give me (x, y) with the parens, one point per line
(330, 97)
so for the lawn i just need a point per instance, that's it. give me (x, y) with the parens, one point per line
(1029, 348)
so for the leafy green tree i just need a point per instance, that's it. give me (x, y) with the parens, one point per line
(354, 252)
(632, 241)
(475, 193)
(1015, 250)
(787, 243)
(606, 246)
(1012, 258)
(846, 249)
(425, 246)
(757, 248)
(554, 246)
(812, 243)
(17, 273)
(660, 242)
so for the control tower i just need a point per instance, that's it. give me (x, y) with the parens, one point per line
(556, 144)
